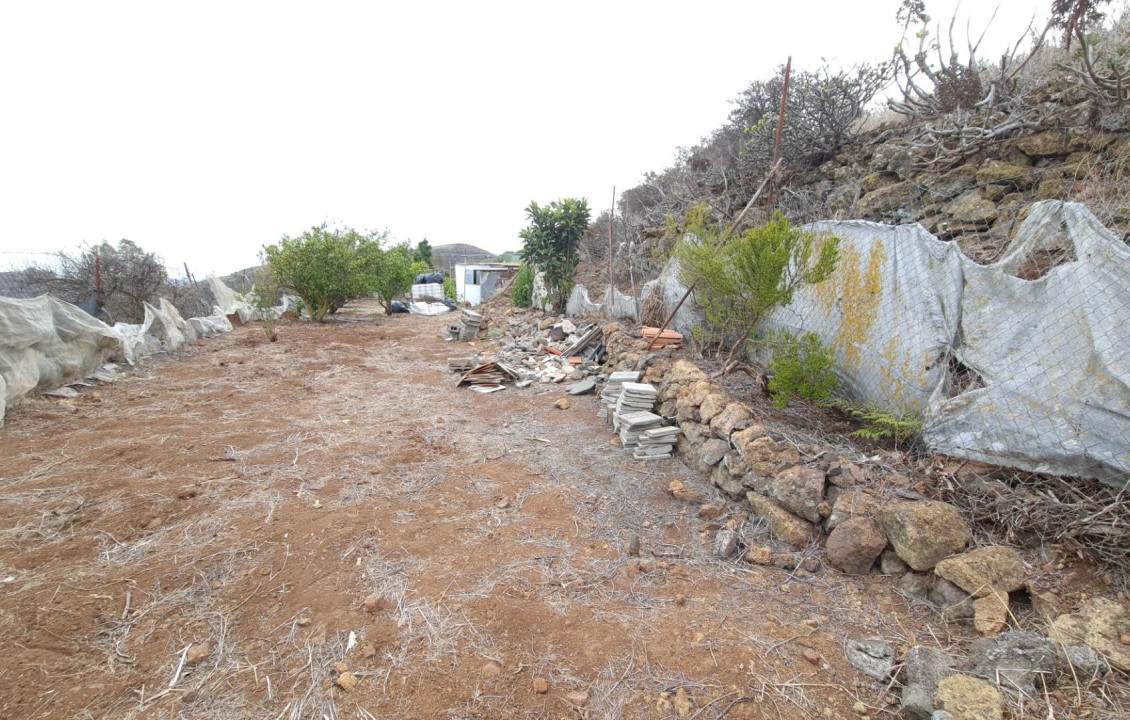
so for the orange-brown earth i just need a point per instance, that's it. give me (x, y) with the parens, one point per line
(249, 507)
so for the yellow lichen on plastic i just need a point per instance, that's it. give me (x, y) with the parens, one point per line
(860, 293)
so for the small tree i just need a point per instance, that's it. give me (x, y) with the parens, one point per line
(523, 290)
(551, 245)
(326, 268)
(394, 274)
(264, 297)
(738, 281)
(423, 252)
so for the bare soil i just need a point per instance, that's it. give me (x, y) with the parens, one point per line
(259, 504)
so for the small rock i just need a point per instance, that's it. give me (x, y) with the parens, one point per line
(680, 600)
(368, 651)
(725, 543)
(923, 669)
(1083, 663)
(197, 653)
(154, 523)
(855, 544)
(783, 525)
(684, 493)
(503, 503)
(969, 698)
(859, 708)
(1100, 624)
(990, 614)
(713, 450)
(491, 670)
(916, 584)
(683, 704)
(812, 656)
(800, 490)
(1014, 660)
(891, 564)
(541, 685)
(563, 404)
(985, 571)
(347, 681)
(811, 564)
(710, 512)
(371, 604)
(872, 656)
(302, 621)
(760, 555)
(951, 599)
(923, 533)
(580, 698)
(632, 547)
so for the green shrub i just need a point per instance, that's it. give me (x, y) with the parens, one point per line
(264, 297)
(449, 289)
(326, 268)
(523, 291)
(552, 241)
(878, 423)
(801, 367)
(740, 280)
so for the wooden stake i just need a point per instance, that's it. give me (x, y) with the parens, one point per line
(781, 119)
(730, 232)
(611, 292)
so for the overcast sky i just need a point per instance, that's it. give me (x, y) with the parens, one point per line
(204, 130)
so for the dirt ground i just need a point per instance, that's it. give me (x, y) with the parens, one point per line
(223, 531)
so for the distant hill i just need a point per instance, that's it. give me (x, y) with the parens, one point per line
(445, 256)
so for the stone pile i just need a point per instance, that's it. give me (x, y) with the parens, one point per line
(611, 392)
(633, 397)
(632, 425)
(469, 323)
(657, 443)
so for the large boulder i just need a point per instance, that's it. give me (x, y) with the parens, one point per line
(801, 490)
(995, 172)
(783, 525)
(922, 533)
(855, 544)
(711, 406)
(985, 571)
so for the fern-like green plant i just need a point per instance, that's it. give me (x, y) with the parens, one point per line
(800, 366)
(878, 423)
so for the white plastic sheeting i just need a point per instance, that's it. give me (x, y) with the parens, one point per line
(580, 304)
(45, 342)
(230, 302)
(1027, 373)
(1032, 374)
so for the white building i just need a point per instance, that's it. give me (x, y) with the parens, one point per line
(475, 283)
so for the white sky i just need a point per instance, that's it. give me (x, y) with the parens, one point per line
(204, 130)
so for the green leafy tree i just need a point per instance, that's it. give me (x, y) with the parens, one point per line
(423, 253)
(449, 289)
(740, 280)
(552, 241)
(394, 274)
(327, 268)
(523, 291)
